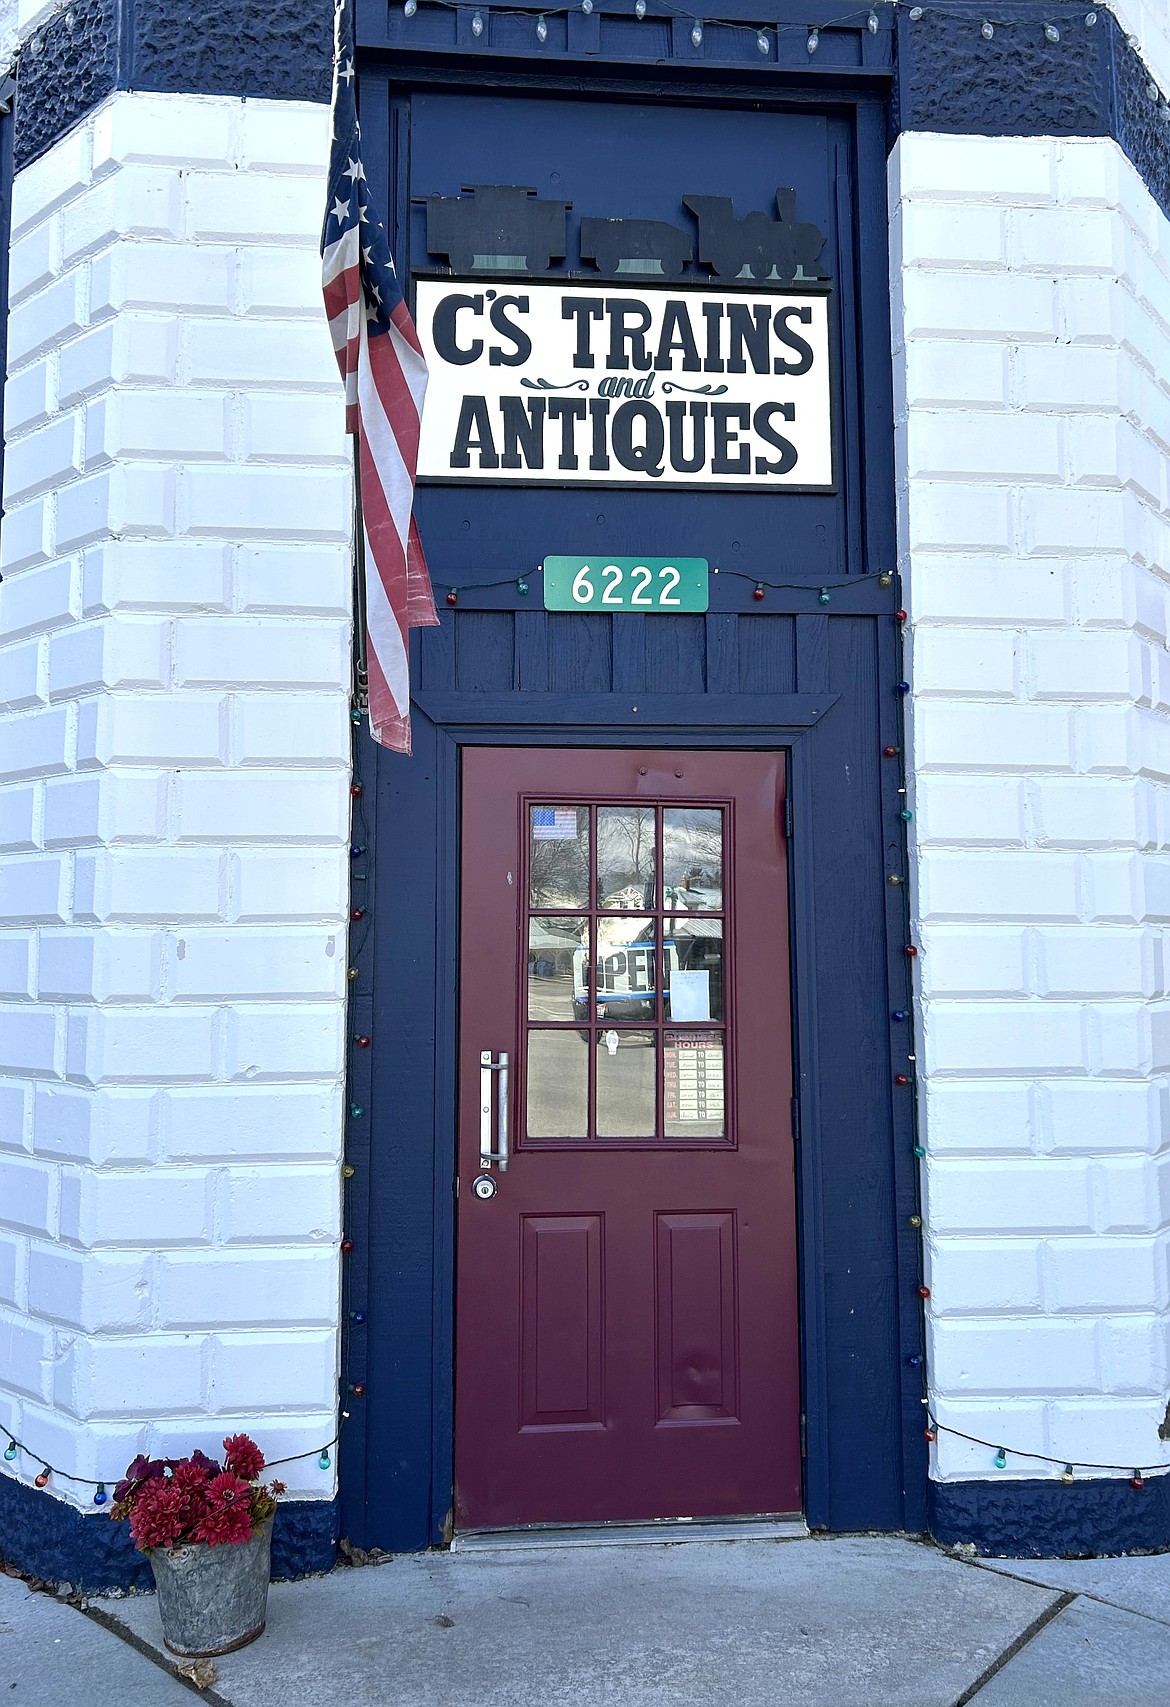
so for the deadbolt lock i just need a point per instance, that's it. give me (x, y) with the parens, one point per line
(484, 1186)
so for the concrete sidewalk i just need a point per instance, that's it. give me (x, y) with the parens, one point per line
(847, 1622)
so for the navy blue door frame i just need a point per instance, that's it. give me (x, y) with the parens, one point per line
(791, 674)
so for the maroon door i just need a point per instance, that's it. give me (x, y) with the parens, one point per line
(626, 1343)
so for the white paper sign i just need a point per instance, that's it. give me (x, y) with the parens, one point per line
(690, 995)
(580, 384)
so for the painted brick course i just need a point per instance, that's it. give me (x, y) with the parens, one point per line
(1031, 327)
(174, 749)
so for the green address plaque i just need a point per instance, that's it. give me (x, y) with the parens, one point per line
(634, 584)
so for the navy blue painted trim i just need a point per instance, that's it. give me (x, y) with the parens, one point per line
(945, 75)
(7, 128)
(1043, 1519)
(45, 1537)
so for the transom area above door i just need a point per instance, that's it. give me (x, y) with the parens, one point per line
(628, 928)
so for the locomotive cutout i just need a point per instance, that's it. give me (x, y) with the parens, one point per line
(496, 227)
(782, 249)
(502, 228)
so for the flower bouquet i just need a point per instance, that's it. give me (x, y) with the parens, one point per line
(206, 1528)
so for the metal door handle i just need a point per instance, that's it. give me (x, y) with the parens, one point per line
(503, 1126)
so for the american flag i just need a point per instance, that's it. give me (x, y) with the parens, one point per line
(385, 379)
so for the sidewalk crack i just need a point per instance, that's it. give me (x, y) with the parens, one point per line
(1013, 1648)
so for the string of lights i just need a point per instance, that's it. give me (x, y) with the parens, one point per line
(768, 39)
(359, 916)
(760, 585)
(906, 1079)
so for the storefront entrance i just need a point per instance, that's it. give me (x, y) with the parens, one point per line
(626, 1316)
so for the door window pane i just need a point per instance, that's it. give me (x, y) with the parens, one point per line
(558, 856)
(625, 857)
(558, 1084)
(692, 1084)
(627, 969)
(693, 960)
(558, 958)
(692, 858)
(626, 1089)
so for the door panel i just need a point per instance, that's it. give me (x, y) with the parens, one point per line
(626, 1327)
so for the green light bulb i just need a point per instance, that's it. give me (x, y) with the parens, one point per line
(323, 1461)
(10, 1451)
(1001, 1459)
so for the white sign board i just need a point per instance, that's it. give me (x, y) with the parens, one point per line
(573, 385)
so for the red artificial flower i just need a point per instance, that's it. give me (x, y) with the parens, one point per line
(243, 1457)
(159, 1515)
(193, 1476)
(226, 1490)
(230, 1524)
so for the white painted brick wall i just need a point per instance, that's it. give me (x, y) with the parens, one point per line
(1031, 284)
(174, 744)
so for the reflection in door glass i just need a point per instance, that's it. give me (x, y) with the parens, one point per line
(625, 1084)
(693, 956)
(692, 1084)
(558, 856)
(558, 1084)
(558, 952)
(692, 858)
(627, 965)
(625, 857)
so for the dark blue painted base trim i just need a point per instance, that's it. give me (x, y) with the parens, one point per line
(47, 1538)
(1047, 1520)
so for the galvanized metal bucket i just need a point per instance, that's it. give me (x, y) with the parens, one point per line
(213, 1600)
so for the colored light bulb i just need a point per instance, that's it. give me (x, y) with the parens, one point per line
(899, 1014)
(1067, 1475)
(758, 590)
(346, 1246)
(919, 1151)
(356, 790)
(901, 1079)
(347, 1171)
(929, 1434)
(42, 1480)
(362, 1042)
(890, 752)
(453, 596)
(914, 1360)
(1137, 1480)
(358, 1316)
(887, 580)
(915, 1220)
(10, 1451)
(824, 596)
(910, 951)
(903, 687)
(1001, 1459)
(323, 1461)
(100, 1496)
(924, 1291)
(358, 1389)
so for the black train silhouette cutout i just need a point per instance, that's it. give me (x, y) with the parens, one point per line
(727, 245)
(520, 232)
(609, 242)
(497, 220)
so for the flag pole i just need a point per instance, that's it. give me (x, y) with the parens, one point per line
(360, 666)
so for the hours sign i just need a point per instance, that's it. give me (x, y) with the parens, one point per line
(574, 385)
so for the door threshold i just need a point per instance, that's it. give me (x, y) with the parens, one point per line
(665, 1532)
